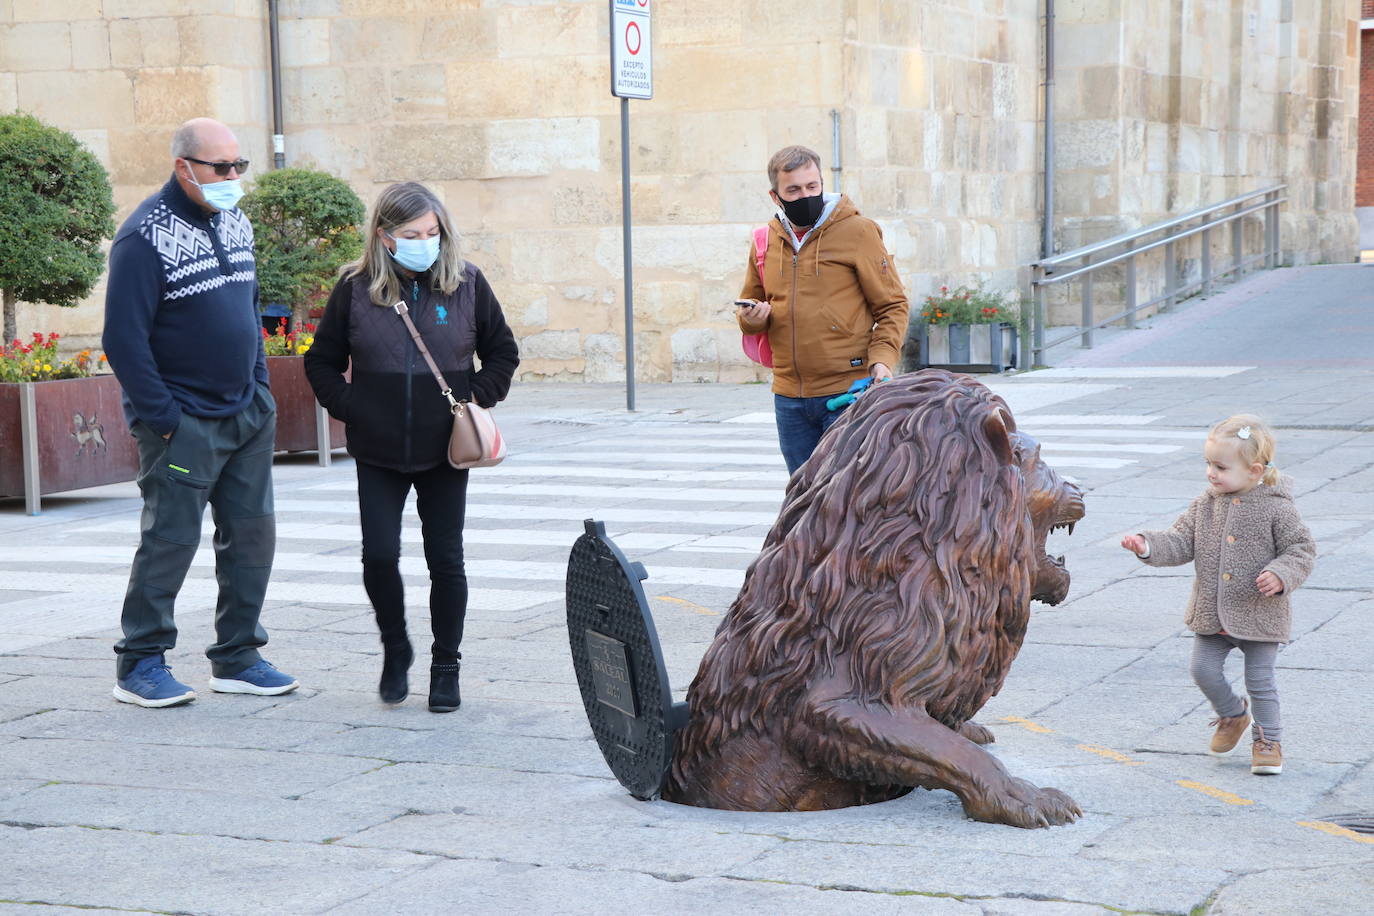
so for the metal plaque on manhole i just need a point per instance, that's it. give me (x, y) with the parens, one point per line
(619, 664)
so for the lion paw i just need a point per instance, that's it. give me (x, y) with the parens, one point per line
(978, 734)
(1024, 804)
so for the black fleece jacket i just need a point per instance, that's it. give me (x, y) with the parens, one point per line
(396, 416)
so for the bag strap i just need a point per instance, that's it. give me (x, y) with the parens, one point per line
(761, 249)
(454, 405)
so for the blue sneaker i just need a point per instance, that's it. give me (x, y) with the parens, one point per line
(151, 684)
(259, 678)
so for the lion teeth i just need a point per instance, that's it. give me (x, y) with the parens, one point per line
(1071, 524)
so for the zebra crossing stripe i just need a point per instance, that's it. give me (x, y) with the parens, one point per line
(478, 569)
(715, 496)
(517, 468)
(511, 513)
(512, 603)
(472, 536)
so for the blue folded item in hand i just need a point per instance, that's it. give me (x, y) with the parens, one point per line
(850, 396)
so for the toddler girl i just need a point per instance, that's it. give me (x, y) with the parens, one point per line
(1249, 550)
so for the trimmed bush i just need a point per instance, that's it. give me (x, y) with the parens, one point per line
(56, 206)
(305, 227)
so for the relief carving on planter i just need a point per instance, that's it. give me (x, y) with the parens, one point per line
(88, 431)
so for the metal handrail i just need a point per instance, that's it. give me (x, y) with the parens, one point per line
(1210, 217)
(1060, 277)
(1157, 227)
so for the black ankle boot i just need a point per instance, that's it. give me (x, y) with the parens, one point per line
(443, 687)
(394, 685)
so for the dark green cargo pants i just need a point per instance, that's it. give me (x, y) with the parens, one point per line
(227, 462)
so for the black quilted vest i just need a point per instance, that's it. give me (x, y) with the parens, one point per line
(397, 417)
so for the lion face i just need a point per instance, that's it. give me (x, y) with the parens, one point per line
(1053, 503)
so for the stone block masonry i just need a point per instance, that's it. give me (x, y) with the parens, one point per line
(504, 108)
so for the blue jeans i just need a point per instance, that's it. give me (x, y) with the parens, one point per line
(801, 423)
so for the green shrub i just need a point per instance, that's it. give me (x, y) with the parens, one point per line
(305, 227)
(56, 207)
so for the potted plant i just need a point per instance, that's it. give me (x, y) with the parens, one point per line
(967, 329)
(56, 207)
(305, 227)
(302, 424)
(61, 425)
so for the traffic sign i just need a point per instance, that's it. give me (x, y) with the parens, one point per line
(632, 70)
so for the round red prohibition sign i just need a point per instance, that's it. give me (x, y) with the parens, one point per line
(633, 40)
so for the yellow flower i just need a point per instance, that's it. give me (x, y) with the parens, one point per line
(47, 368)
(301, 348)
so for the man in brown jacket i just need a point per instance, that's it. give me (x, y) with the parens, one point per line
(829, 299)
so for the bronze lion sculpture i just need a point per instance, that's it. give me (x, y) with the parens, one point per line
(887, 604)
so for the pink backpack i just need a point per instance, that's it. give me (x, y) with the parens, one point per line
(756, 346)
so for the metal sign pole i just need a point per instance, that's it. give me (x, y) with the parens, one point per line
(629, 269)
(632, 77)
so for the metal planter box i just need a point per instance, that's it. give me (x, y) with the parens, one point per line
(300, 420)
(63, 435)
(70, 434)
(962, 347)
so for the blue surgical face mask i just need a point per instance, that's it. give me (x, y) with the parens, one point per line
(415, 254)
(222, 195)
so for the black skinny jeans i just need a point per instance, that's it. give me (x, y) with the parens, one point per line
(441, 500)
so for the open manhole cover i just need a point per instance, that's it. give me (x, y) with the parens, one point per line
(619, 663)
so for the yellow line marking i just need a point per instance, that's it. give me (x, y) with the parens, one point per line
(1222, 794)
(695, 608)
(1337, 830)
(1111, 755)
(1028, 725)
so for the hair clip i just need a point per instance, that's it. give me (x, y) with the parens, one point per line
(1243, 433)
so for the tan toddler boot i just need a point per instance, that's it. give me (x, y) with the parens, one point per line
(1229, 730)
(1266, 757)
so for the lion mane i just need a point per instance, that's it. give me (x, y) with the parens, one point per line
(901, 565)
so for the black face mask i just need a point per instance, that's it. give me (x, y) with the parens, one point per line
(804, 211)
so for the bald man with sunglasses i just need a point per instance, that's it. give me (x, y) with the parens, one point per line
(183, 335)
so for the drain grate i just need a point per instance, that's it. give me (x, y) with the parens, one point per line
(1360, 823)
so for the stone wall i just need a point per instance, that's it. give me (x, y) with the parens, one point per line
(1364, 185)
(121, 75)
(1162, 108)
(504, 108)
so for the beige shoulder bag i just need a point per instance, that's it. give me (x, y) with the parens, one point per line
(475, 441)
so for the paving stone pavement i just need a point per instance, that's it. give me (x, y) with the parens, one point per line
(327, 801)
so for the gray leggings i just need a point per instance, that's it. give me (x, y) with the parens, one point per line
(1209, 662)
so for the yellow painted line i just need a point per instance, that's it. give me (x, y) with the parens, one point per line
(1111, 755)
(1213, 791)
(1028, 725)
(1337, 830)
(694, 607)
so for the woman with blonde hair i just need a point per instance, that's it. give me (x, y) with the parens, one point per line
(399, 422)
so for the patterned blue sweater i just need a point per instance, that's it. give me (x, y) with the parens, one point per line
(182, 327)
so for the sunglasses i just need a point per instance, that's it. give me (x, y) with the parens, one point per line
(222, 168)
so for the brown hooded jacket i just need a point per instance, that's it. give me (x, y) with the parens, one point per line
(838, 305)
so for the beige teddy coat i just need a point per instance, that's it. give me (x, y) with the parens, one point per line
(1231, 539)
